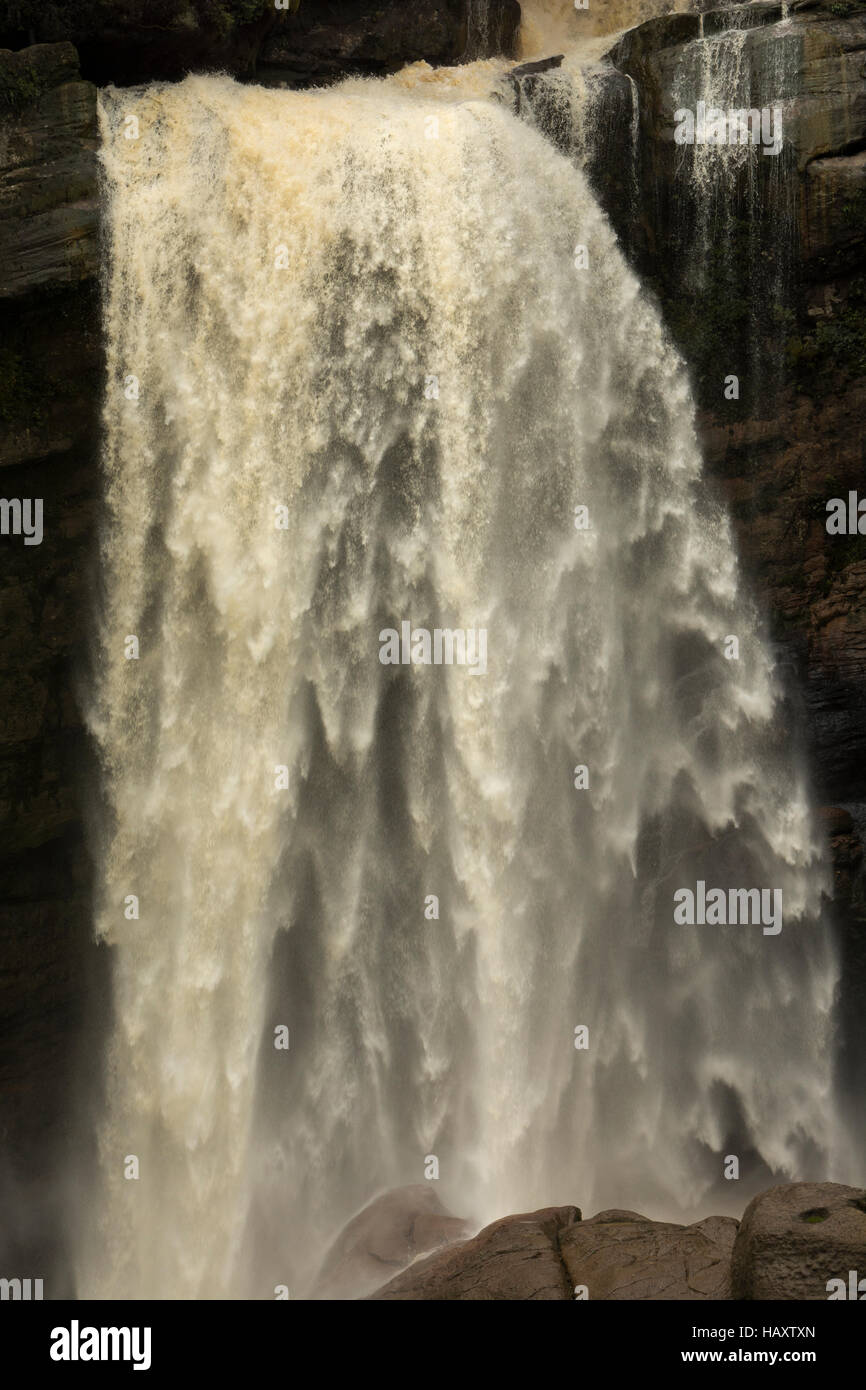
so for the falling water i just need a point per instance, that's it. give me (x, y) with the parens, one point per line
(477, 29)
(550, 25)
(715, 70)
(356, 376)
(737, 207)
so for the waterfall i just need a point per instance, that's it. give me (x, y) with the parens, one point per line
(551, 25)
(360, 375)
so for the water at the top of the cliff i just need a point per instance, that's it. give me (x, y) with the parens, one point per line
(558, 26)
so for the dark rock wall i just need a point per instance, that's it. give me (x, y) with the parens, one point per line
(50, 385)
(130, 41)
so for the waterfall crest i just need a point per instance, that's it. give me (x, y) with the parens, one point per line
(358, 375)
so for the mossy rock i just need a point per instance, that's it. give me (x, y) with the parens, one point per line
(27, 76)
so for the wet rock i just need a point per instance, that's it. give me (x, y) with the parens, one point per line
(530, 69)
(48, 197)
(621, 1255)
(516, 1258)
(794, 1239)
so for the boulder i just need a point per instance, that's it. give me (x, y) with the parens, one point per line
(795, 1238)
(619, 1255)
(387, 1235)
(516, 1258)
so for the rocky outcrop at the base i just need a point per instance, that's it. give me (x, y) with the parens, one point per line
(390, 1232)
(795, 1240)
(517, 1258)
(620, 1255)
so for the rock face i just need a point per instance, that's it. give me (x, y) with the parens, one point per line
(391, 1232)
(716, 247)
(620, 1255)
(50, 387)
(48, 254)
(131, 41)
(328, 40)
(48, 210)
(793, 1240)
(517, 1258)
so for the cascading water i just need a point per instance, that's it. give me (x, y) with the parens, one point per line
(478, 29)
(715, 71)
(358, 375)
(737, 227)
(552, 25)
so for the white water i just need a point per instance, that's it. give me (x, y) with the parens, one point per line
(411, 257)
(554, 26)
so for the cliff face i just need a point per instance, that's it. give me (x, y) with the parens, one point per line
(49, 390)
(130, 41)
